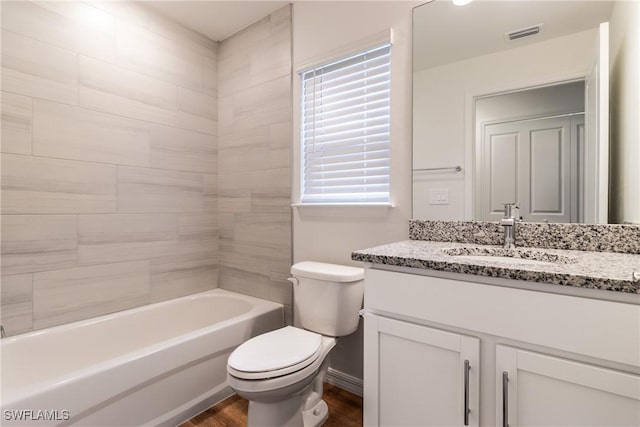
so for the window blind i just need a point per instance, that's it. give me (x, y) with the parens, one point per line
(345, 129)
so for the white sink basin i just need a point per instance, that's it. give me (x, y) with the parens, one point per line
(519, 256)
(505, 259)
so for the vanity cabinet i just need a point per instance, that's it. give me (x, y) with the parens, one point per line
(428, 377)
(536, 389)
(539, 358)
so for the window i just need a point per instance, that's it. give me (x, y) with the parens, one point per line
(345, 129)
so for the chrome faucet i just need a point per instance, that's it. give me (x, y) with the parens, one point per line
(509, 221)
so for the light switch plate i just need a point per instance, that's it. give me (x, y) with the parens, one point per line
(439, 197)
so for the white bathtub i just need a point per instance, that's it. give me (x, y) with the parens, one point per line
(159, 364)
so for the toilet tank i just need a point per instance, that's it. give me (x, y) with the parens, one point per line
(327, 297)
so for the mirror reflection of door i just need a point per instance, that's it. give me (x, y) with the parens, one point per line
(536, 163)
(530, 149)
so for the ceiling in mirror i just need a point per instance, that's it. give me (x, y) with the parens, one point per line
(448, 33)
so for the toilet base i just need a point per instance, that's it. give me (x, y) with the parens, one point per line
(317, 415)
(288, 413)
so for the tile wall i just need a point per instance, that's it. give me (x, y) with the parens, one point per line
(254, 156)
(110, 161)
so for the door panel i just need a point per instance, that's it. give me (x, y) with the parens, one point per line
(415, 375)
(530, 162)
(502, 162)
(551, 391)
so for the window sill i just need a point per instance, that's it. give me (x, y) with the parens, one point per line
(342, 211)
(343, 205)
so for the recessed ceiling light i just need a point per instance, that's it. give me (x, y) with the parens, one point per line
(461, 2)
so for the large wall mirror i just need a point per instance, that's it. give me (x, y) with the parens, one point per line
(512, 103)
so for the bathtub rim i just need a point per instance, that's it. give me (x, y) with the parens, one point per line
(13, 396)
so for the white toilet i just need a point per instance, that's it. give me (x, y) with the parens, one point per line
(281, 372)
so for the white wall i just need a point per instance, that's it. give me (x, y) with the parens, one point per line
(326, 30)
(442, 118)
(624, 43)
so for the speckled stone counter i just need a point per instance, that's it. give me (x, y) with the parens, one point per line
(608, 271)
(579, 237)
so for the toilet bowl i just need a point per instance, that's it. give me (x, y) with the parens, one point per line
(281, 372)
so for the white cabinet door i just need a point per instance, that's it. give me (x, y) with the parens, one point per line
(419, 376)
(533, 389)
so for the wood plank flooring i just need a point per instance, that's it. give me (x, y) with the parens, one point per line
(345, 410)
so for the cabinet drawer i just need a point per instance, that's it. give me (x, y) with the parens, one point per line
(596, 328)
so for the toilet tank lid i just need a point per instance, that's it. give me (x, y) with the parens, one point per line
(329, 272)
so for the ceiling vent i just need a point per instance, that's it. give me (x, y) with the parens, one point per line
(524, 32)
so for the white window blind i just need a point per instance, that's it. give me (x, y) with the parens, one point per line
(345, 129)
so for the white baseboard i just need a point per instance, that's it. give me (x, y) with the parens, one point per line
(344, 381)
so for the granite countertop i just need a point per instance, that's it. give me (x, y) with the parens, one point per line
(594, 270)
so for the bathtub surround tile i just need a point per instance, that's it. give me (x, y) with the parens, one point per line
(263, 230)
(239, 43)
(198, 226)
(254, 189)
(210, 192)
(37, 69)
(16, 123)
(173, 281)
(33, 243)
(180, 149)
(76, 133)
(192, 267)
(38, 185)
(210, 75)
(234, 201)
(16, 312)
(277, 201)
(280, 289)
(64, 296)
(244, 261)
(131, 12)
(234, 68)
(113, 89)
(184, 37)
(288, 315)
(242, 281)
(197, 111)
(75, 26)
(260, 53)
(160, 191)
(581, 237)
(158, 57)
(230, 246)
(262, 105)
(119, 204)
(124, 237)
(273, 59)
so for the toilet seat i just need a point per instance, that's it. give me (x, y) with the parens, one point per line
(274, 354)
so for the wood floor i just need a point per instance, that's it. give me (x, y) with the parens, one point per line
(345, 410)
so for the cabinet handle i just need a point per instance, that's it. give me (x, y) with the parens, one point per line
(467, 368)
(505, 399)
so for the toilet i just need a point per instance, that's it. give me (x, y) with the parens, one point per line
(281, 372)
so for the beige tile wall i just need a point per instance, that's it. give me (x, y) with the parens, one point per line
(109, 161)
(254, 146)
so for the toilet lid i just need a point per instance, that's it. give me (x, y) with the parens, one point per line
(283, 348)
